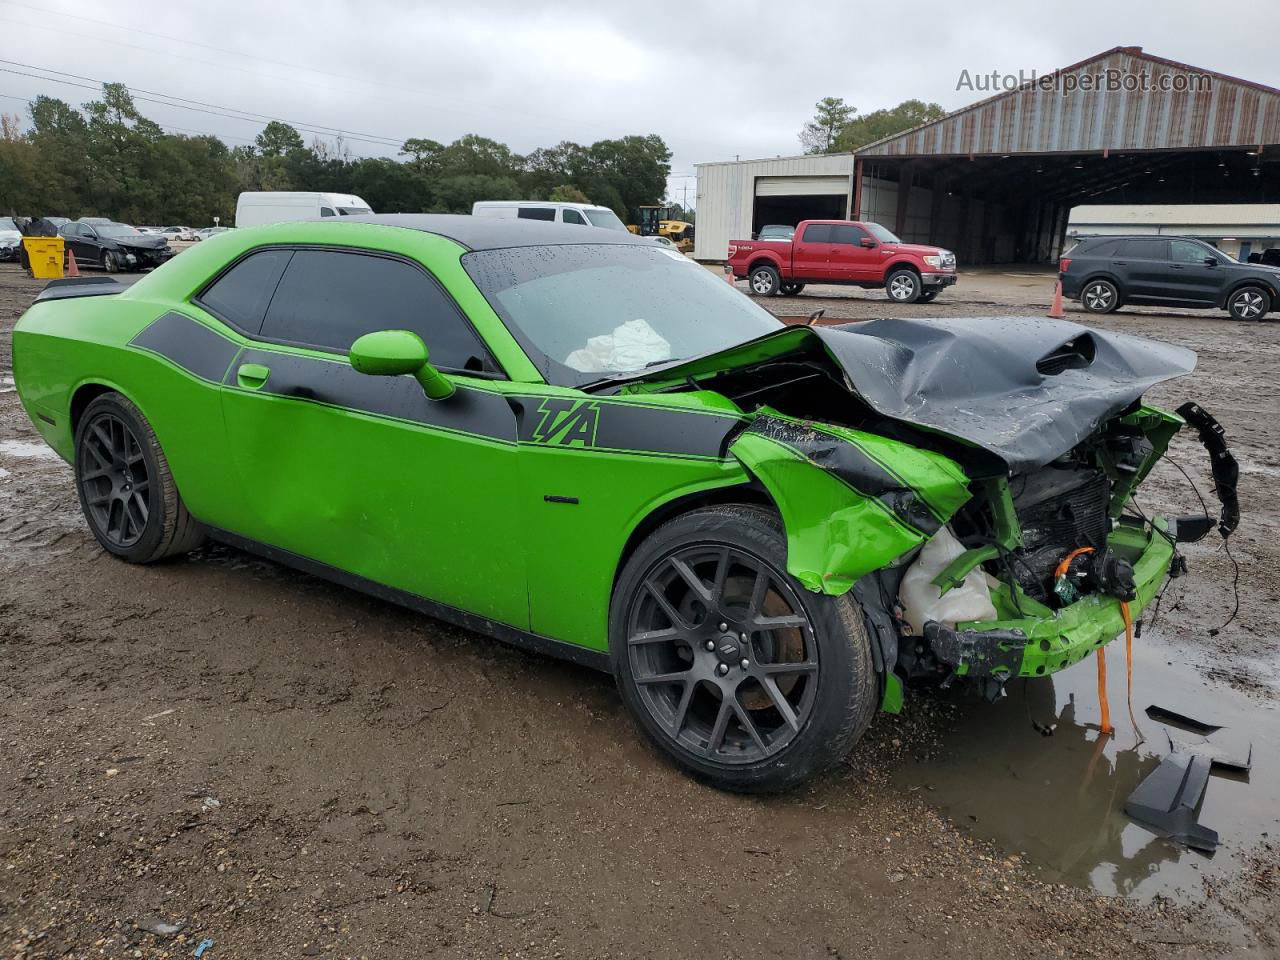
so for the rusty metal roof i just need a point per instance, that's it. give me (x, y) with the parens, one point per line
(1216, 111)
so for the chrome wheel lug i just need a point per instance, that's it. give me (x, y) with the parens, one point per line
(724, 627)
(746, 664)
(711, 644)
(742, 637)
(722, 669)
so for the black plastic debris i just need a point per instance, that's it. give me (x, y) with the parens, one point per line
(1167, 800)
(1170, 716)
(1234, 755)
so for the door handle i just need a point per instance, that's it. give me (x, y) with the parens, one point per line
(1121, 263)
(252, 376)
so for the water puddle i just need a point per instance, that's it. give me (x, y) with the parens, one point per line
(1060, 799)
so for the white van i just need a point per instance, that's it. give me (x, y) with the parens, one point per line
(584, 214)
(256, 207)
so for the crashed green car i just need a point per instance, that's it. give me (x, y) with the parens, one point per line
(573, 440)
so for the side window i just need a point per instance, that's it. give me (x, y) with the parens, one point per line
(817, 233)
(327, 212)
(240, 296)
(1184, 251)
(328, 298)
(536, 213)
(1104, 248)
(847, 233)
(573, 216)
(1145, 249)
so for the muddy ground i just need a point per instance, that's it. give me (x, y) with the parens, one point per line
(287, 768)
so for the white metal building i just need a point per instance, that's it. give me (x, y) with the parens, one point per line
(1237, 229)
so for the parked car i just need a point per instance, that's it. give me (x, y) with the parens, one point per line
(257, 207)
(114, 246)
(206, 232)
(582, 214)
(612, 456)
(850, 253)
(1104, 273)
(776, 231)
(181, 234)
(149, 230)
(10, 239)
(58, 221)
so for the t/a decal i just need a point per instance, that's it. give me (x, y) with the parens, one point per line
(567, 423)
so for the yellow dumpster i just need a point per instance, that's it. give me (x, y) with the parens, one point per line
(45, 254)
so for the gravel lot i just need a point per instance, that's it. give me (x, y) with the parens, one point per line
(288, 768)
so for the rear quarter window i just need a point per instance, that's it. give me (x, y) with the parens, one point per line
(240, 296)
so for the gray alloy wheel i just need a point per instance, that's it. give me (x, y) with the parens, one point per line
(1100, 296)
(903, 286)
(110, 262)
(765, 281)
(1249, 304)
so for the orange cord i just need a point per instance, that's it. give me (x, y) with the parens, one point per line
(1065, 565)
(1128, 657)
(1105, 728)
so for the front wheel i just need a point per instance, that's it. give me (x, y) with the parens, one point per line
(1251, 303)
(903, 286)
(126, 490)
(765, 281)
(110, 262)
(729, 666)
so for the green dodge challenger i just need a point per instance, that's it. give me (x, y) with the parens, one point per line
(573, 440)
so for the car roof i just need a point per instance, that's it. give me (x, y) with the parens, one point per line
(493, 233)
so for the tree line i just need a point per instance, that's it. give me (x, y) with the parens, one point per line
(837, 127)
(107, 159)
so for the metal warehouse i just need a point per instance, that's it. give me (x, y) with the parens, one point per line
(996, 181)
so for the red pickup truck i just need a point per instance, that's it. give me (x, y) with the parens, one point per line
(844, 252)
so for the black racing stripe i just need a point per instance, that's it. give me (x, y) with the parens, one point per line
(299, 377)
(619, 426)
(848, 462)
(189, 344)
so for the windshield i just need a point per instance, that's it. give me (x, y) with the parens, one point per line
(353, 211)
(881, 234)
(585, 312)
(115, 230)
(776, 232)
(604, 218)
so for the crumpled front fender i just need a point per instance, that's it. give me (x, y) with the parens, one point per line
(851, 502)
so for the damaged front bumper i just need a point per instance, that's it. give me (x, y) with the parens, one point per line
(1032, 640)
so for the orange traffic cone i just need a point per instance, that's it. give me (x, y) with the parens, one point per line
(1056, 310)
(72, 269)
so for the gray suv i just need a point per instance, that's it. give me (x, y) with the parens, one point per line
(1104, 273)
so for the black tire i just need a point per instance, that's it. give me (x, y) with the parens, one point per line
(1249, 303)
(815, 654)
(1099, 296)
(111, 261)
(791, 289)
(903, 285)
(929, 296)
(139, 519)
(764, 281)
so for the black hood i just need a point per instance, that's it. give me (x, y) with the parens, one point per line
(1026, 389)
(140, 242)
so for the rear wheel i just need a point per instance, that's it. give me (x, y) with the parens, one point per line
(903, 286)
(765, 281)
(1100, 296)
(730, 667)
(126, 490)
(791, 289)
(1250, 303)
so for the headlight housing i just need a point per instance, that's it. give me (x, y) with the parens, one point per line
(933, 260)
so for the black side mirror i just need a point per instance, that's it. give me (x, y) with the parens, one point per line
(867, 242)
(1210, 261)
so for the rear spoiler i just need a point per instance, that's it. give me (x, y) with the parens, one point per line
(69, 287)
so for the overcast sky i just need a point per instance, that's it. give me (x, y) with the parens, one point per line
(715, 80)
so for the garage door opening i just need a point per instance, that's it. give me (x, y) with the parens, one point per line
(791, 210)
